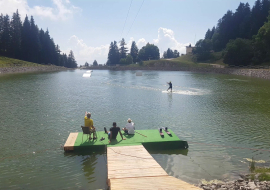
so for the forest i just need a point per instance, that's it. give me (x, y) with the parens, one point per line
(27, 42)
(242, 36)
(148, 52)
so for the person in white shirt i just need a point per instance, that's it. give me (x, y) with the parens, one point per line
(129, 129)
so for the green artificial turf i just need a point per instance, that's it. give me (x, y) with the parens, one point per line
(149, 138)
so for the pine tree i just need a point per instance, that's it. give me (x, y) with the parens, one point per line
(213, 31)
(175, 54)
(134, 51)
(58, 55)
(113, 55)
(165, 55)
(1, 32)
(5, 36)
(255, 18)
(110, 55)
(208, 34)
(26, 39)
(15, 33)
(123, 50)
(95, 63)
(34, 41)
(71, 62)
(170, 53)
(42, 54)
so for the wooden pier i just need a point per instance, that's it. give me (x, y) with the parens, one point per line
(132, 167)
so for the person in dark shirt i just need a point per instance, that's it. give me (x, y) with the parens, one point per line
(112, 134)
(170, 86)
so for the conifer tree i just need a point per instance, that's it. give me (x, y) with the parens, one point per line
(123, 50)
(165, 55)
(1, 32)
(113, 55)
(26, 39)
(134, 51)
(208, 34)
(175, 54)
(95, 63)
(34, 44)
(5, 36)
(71, 62)
(15, 33)
(170, 53)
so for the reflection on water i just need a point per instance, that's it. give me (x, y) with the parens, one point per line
(224, 118)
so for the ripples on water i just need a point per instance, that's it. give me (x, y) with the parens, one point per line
(224, 118)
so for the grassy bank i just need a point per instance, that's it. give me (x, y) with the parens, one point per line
(10, 65)
(258, 173)
(187, 61)
(6, 62)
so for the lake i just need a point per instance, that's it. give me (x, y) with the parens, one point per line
(224, 118)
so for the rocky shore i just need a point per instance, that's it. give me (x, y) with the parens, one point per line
(258, 73)
(243, 184)
(42, 68)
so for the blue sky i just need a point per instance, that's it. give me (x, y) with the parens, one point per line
(88, 26)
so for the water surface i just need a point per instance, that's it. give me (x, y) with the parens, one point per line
(225, 119)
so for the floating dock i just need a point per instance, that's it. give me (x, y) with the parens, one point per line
(132, 167)
(129, 164)
(148, 138)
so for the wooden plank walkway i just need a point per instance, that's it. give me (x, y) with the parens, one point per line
(132, 167)
(69, 145)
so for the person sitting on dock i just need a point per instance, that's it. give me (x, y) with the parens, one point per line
(112, 134)
(129, 129)
(89, 123)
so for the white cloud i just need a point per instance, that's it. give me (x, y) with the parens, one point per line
(141, 42)
(85, 53)
(167, 40)
(61, 10)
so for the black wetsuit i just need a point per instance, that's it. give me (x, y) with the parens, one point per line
(170, 86)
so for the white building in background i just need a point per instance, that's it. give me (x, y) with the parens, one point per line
(189, 49)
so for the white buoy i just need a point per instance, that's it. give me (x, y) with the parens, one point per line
(89, 71)
(87, 75)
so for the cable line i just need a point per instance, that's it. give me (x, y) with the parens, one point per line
(126, 18)
(135, 17)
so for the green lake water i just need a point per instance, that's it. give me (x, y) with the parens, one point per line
(224, 118)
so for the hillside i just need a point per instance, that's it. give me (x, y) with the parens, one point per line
(10, 65)
(10, 62)
(186, 61)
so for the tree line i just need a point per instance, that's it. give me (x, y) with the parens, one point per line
(27, 42)
(148, 52)
(242, 36)
(122, 57)
(170, 54)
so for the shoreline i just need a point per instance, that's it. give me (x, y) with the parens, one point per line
(244, 182)
(257, 73)
(21, 69)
